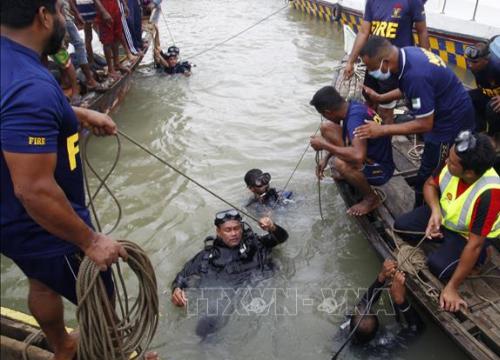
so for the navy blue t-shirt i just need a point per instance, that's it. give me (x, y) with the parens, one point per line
(393, 19)
(35, 118)
(379, 150)
(488, 79)
(433, 88)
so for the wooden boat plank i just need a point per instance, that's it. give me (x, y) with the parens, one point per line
(12, 349)
(399, 197)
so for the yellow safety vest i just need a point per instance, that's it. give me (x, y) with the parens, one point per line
(457, 211)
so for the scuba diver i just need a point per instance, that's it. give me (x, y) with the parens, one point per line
(168, 61)
(233, 257)
(363, 324)
(258, 183)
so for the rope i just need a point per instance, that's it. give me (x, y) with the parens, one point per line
(35, 337)
(416, 151)
(166, 24)
(239, 33)
(318, 182)
(102, 183)
(293, 171)
(105, 335)
(165, 162)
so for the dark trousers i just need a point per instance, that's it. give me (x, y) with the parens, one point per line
(442, 262)
(486, 118)
(433, 157)
(134, 22)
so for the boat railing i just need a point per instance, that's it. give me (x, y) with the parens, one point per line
(443, 9)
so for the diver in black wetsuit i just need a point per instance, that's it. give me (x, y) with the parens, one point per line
(369, 324)
(169, 63)
(236, 254)
(258, 183)
(235, 250)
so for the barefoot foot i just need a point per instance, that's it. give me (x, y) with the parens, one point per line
(368, 204)
(68, 347)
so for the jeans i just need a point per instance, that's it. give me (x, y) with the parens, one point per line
(442, 262)
(77, 42)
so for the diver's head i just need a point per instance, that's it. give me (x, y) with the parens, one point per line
(171, 60)
(330, 104)
(257, 181)
(477, 56)
(229, 227)
(367, 328)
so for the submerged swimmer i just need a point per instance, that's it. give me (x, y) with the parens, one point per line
(169, 63)
(258, 183)
(235, 254)
(365, 323)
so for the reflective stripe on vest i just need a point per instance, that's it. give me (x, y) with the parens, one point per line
(457, 212)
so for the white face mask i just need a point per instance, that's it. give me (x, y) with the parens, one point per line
(379, 74)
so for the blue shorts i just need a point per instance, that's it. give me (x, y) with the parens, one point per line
(377, 174)
(59, 273)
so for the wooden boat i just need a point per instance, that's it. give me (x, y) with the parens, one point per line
(15, 329)
(108, 101)
(476, 330)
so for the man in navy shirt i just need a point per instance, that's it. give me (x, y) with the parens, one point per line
(486, 97)
(45, 226)
(438, 100)
(393, 20)
(360, 162)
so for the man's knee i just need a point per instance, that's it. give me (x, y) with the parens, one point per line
(327, 127)
(341, 166)
(440, 266)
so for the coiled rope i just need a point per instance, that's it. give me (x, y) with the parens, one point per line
(103, 333)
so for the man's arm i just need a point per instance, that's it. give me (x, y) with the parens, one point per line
(76, 13)
(100, 124)
(192, 267)
(431, 196)
(35, 186)
(450, 300)
(398, 296)
(373, 130)
(104, 13)
(423, 36)
(392, 95)
(361, 39)
(355, 154)
(277, 235)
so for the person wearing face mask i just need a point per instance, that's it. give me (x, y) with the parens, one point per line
(437, 99)
(486, 97)
(393, 20)
(360, 162)
(45, 225)
(258, 183)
